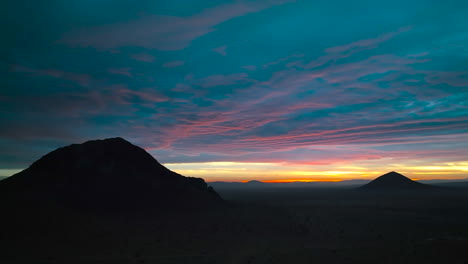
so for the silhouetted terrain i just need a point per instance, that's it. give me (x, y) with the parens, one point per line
(439, 181)
(258, 225)
(452, 184)
(318, 184)
(394, 181)
(106, 174)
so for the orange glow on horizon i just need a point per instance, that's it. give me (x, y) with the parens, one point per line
(302, 180)
(335, 180)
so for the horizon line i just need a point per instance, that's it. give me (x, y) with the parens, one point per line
(330, 181)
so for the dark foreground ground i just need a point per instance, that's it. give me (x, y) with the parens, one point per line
(287, 225)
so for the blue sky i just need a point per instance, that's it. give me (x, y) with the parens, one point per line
(240, 90)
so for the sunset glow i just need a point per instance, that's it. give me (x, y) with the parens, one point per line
(301, 180)
(271, 90)
(285, 172)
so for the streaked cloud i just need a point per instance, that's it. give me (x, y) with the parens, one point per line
(120, 71)
(173, 64)
(247, 89)
(143, 56)
(162, 32)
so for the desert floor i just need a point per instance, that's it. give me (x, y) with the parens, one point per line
(287, 225)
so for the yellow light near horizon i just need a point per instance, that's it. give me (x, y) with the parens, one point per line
(437, 173)
(220, 163)
(8, 172)
(439, 168)
(285, 172)
(303, 180)
(329, 173)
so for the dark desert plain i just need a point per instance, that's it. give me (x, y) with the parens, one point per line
(233, 131)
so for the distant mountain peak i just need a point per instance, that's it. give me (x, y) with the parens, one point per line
(395, 176)
(255, 182)
(393, 181)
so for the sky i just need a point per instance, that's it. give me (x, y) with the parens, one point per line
(241, 90)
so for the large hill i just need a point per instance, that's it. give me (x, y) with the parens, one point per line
(109, 173)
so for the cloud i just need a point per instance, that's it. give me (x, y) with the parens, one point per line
(347, 50)
(121, 71)
(290, 93)
(122, 95)
(79, 78)
(219, 80)
(282, 60)
(364, 44)
(146, 57)
(173, 64)
(221, 50)
(250, 67)
(458, 79)
(315, 161)
(162, 32)
(369, 101)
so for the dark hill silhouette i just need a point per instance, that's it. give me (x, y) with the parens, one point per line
(393, 181)
(109, 173)
(255, 182)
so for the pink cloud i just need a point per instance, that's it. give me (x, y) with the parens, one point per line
(282, 60)
(316, 156)
(162, 32)
(143, 57)
(120, 71)
(370, 134)
(366, 43)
